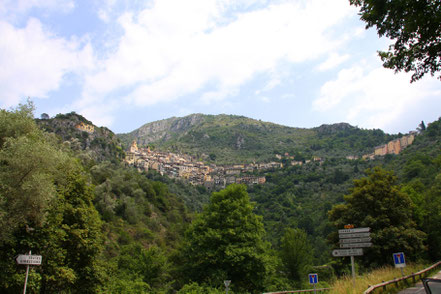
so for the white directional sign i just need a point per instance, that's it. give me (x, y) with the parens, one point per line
(354, 235)
(29, 259)
(355, 245)
(347, 252)
(355, 230)
(355, 240)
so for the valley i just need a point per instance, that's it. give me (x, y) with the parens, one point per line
(143, 208)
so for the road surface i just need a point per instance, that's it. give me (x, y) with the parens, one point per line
(419, 288)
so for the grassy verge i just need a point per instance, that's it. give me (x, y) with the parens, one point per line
(345, 285)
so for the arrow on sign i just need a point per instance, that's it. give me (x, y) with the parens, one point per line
(347, 252)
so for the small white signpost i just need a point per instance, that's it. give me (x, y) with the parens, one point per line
(400, 261)
(313, 280)
(354, 239)
(28, 260)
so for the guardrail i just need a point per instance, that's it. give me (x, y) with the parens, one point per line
(300, 291)
(384, 285)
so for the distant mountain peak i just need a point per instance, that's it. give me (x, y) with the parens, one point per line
(333, 128)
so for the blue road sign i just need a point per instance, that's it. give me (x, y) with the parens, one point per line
(399, 259)
(313, 278)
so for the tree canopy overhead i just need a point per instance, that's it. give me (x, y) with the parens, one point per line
(414, 25)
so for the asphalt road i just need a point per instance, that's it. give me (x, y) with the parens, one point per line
(419, 288)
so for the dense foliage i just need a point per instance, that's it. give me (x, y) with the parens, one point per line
(296, 254)
(226, 242)
(301, 196)
(377, 202)
(415, 28)
(46, 207)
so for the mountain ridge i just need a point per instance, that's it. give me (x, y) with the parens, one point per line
(234, 138)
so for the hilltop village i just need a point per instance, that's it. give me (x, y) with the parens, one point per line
(392, 147)
(212, 176)
(195, 172)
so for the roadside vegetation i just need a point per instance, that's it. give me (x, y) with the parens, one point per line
(345, 284)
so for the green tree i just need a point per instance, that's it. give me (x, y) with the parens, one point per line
(432, 219)
(415, 28)
(45, 116)
(45, 206)
(194, 288)
(421, 127)
(377, 202)
(149, 264)
(296, 254)
(225, 242)
(28, 165)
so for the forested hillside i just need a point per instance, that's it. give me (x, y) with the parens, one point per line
(103, 227)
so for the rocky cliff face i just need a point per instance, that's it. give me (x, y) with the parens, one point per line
(99, 143)
(162, 130)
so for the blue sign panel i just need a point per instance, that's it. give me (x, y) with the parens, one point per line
(399, 259)
(313, 278)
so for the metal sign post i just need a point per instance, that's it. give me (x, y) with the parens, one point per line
(28, 260)
(400, 261)
(313, 279)
(27, 274)
(354, 239)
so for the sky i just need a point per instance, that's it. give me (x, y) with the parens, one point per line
(124, 63)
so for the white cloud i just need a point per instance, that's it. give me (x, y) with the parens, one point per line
(216, 96)
(175, 48)
(334, 60)
(33, 62)
(373, 97)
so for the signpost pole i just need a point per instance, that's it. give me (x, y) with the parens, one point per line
(313, 279)
(353, 269)
(27, 273)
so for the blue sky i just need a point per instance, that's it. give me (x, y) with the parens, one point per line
(300, 63)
